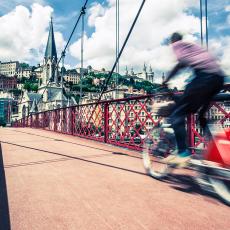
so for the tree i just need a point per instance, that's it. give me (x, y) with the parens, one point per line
(131, 81)
(16, 92)
(24, 65)
(34, 87)
(27, 86)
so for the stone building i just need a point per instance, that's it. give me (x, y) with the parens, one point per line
(7, 83)
(72, 76)
(24, 72)
(10, 68)
(50, 92)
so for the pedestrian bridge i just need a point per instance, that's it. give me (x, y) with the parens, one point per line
(55, 181)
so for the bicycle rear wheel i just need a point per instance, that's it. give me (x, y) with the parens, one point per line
(159, 144)
(220, 181)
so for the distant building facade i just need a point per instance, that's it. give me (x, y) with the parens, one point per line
(9, 68)
(72, 76)
(24, 72)
(5, 110)
(7, 83)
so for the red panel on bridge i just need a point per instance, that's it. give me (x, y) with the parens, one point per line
(219, 149)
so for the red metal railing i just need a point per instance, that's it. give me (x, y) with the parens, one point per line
(122, 122)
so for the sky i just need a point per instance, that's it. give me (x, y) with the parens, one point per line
(24, 26)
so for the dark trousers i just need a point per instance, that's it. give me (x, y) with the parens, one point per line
(197, 96)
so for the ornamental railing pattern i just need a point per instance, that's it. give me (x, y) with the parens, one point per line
(121, 122)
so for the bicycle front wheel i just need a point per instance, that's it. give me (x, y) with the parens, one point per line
(159, 144)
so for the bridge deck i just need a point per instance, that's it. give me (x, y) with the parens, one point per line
(55, 181)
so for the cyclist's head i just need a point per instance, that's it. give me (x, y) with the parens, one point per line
(176, 37)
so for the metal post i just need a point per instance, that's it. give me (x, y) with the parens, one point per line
(117, 42)
(72, 120)
(82, 49)
(201, 22)
(190, 127)
(62, 76)
(106, 124)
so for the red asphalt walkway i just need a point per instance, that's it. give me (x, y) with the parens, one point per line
(52, 181)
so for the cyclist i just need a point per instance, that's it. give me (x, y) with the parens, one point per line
(208, 81)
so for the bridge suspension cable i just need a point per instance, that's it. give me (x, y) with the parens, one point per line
(118, 57)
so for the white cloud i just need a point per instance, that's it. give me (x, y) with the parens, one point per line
(156, 23)
(221, 48)
(227, 8)
(95, 11)
(24, 33)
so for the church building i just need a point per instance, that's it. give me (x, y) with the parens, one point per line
(50, 92)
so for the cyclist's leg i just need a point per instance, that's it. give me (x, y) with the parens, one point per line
(193, 98)
(217, 84)
(196, 95)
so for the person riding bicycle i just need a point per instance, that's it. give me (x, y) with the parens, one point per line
(208, 81)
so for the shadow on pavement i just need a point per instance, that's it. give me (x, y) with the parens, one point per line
(76, 158)
(49, 161)
(187, 184)
(87, 146)
(4, 207)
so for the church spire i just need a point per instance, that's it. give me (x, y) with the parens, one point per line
(145, 68)
(51, 51)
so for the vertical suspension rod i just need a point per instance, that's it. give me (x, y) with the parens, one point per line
(62, 76)
(117, 59)
(206, 22)
(82, 49)
(201, 22)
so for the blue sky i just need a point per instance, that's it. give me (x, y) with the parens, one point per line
(157, 21)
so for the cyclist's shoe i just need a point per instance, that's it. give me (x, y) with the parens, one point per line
(168, 159)
(181, 160)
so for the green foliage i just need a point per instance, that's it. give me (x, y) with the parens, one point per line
(32, 79)
(147, 86)
(87, 83)
(31, 87)
(22, 80)
(34, 87)
(16, 92)
(101, 75)
(24, 65)
(27, 86)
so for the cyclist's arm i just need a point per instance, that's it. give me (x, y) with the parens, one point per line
(174, 71)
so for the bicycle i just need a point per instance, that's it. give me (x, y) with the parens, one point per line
(212, 165)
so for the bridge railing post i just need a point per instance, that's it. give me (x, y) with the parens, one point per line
(72, 115)
(106, 122)
(190, 127)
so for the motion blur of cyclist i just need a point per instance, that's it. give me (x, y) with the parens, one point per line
(208, 81)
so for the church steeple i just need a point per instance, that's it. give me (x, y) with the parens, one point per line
(51, 52)
(50, 69)
(145, 68)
